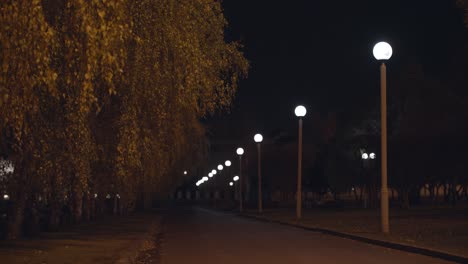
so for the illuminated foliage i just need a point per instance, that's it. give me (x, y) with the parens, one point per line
(103, 96)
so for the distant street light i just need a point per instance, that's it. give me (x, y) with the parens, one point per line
(231, 183)
(372, 155)
(220, 167)
(382, 52)
(364, 156)
(258, 138)
(227, 163)
(240, 152)
(213, 172)
(185, 172)
(236, 178)
(205, 178)
(6, 197)
(210, 174)
(300, 112)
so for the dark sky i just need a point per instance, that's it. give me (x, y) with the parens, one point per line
(319, 53)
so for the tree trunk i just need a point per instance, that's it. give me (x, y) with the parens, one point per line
(431, 193)
(15, 222)
(115, 209)
(446, 193)
(31, 218)
(78, 207)
(453, 194)
(54, 216)
(405, 204)
(356, 197)
(86, 207)
(147, 197)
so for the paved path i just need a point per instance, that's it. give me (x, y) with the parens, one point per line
(195, 236)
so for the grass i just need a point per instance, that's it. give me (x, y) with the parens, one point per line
(442, 229)
(103, 241)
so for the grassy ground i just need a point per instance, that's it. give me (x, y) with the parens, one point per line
(102, 241)
(443, 229)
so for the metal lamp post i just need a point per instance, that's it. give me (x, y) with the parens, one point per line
(228, 163)
(382, 52)
(240, 152)
(258, 138)
(300, 112)
(236, 192)
(217, 194)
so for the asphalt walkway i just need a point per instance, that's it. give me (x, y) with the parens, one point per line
(193, 235)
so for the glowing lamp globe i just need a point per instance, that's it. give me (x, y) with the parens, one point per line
(364, 156)
(372, 155)
(220, 167)
(210, 174)
(382, 51)
(205, 178)
(213, 172)
(185, 172)
(300, 111)
(258, 138)
(236, 178)
(231, 184)
(227, 163)
(240, 151)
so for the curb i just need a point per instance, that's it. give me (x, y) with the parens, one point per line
(382, 243)
(130, 255)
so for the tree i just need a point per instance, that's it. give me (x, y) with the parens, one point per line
(105, 98)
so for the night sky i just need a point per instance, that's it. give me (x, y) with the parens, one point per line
(319, 53)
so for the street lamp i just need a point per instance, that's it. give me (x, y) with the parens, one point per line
(258, 138)
(372, 155)
(300, 112)
(236, 193)
(227, 163)
(205, 178)
(213, 172)
(210, 174)
(364, 156)
(220, 167)
(240, 152)
(231, 183)
(185, 172)
(383, 52)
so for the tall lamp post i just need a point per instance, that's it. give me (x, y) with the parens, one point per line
(217, 192)
(227, 163)
(383, 52)
(236, 193)
(258, 138)
(240, 152)
(300, 112)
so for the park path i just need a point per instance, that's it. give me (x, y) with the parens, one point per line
(194, 235)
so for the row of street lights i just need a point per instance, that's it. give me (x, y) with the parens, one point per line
(382, 52)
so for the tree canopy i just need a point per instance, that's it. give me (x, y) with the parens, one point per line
(105, 97)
